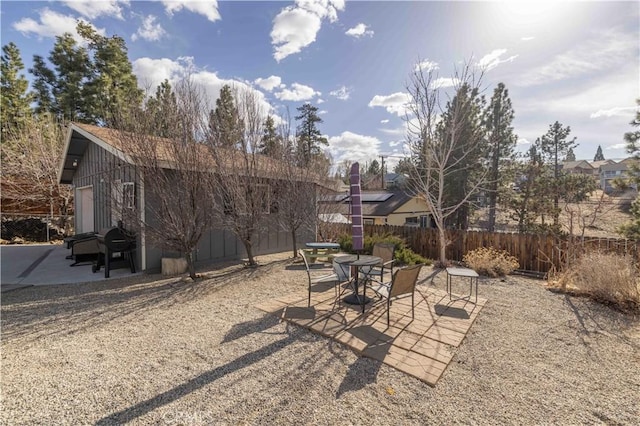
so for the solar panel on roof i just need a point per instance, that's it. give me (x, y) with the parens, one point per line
(376, 197)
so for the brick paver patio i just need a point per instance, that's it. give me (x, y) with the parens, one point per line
(422, 347)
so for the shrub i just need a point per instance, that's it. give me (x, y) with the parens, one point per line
(406, 256)
(491, 262)
(605, 277)
(403, 254)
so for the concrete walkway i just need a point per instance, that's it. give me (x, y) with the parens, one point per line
(45, 264)
(422, 347)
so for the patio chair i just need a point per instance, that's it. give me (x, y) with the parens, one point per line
(403, 284)
(329, 278)
(385, 251)
(84, 250)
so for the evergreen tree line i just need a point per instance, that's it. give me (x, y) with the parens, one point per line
(93, 83)
(483, 168)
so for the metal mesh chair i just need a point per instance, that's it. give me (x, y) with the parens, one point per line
(330, 278)
(384, 251)
(403, 284)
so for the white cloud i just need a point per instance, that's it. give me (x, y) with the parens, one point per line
(51, 24)
(426, 65)
(492, 59)
(353, 147)
(298, 92)
(342, 93)
(614, 112)
(523, 141)
(444, 82)
(296, 27)
(606, 50)
(323, 112)
(206, 8)
(384, 121)
(358, 31)
(583, 99)
(526, 38)
(92, 9)
(399, 131)
(150, 30)
(394, 103)
(617, 146)
(319, 101)
(269, 83)
(152, 72)
(394, 143)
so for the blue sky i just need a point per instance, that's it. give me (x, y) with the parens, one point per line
(575, 62)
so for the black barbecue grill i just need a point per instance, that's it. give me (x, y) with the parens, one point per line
(117, 250)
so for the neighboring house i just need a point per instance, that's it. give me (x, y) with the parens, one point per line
(609, 172)
(87, 151)
(597, 164)
(581, 167)
(392, 207)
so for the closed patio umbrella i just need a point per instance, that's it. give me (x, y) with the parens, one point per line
(357, 230)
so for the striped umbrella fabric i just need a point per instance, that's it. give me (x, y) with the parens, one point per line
(357, 231)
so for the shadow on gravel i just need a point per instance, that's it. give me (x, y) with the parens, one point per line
(590, 316)
(70, 308)
(243, 329)
(361, 373)
(198, 382)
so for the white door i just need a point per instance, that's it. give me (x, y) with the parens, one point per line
(84, 209)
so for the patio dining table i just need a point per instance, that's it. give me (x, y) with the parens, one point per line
(361, 267)
(321, 249)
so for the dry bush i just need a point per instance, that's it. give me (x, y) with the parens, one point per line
(491, 262)
(606, 277)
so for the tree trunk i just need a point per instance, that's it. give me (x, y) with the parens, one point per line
(190, 265)
(248, 246)
(294, 242)
(442, 240)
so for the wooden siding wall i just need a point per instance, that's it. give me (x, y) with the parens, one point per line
(99, 168)
(535, 253)
(220, 244)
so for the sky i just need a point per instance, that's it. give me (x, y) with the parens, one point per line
(573, 62)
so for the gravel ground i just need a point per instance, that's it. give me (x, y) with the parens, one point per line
(160, 351)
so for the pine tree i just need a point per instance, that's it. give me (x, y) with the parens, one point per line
(599, 155)
(73, 69)
(374, 168)
(404, 167)
(632, 138)
(462, 120)
(271, 142)
(309, 137)
(570, 155)
(15, 101)
(162, 107)
(61, 90)
(44, 80)
(113, 88)
(552, 146)
(501, 145)
(225, 122)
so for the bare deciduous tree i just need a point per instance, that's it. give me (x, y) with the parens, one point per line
(243, 178)
(176, 186)
(30, 161)
(296, 189)
(438, 153)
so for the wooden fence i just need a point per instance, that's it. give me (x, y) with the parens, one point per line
(535, 253)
